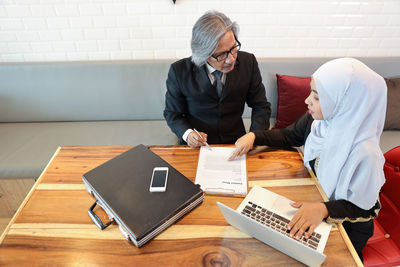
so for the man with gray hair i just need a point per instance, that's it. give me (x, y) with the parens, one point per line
(207, 92)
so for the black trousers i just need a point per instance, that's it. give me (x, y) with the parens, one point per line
(359, 233)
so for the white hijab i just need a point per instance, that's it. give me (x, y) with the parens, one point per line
(353, 103)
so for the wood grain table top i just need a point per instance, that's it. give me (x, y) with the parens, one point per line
(52, 226)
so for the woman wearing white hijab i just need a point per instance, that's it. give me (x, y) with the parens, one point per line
(340, 134)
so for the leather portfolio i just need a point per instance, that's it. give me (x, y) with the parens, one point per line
(121, 187)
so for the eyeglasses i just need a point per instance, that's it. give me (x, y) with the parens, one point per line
(224, 55)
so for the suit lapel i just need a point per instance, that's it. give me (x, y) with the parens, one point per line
(204, 82)
(232, 79)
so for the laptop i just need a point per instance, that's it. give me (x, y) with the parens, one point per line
(265, 215)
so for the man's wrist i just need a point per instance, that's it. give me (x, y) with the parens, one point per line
(186, 134)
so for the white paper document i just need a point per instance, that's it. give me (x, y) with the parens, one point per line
(216, 175)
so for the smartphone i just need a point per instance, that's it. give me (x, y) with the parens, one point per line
(159, 179)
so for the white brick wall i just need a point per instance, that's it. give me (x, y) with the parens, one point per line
(66, 30)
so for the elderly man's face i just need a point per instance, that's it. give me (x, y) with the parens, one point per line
(225, 44)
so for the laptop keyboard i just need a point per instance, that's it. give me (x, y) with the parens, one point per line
(277, 222)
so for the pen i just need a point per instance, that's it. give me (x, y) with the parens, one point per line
(194, 129)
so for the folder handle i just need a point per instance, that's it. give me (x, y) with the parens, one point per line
(96, 218)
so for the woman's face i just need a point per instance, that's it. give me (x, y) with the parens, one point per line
(312, 101)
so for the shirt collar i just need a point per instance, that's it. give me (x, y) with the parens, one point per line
(210, 69)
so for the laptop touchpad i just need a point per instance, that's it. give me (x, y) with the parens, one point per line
(282, 207)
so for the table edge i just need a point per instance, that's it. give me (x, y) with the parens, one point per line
(5, 232)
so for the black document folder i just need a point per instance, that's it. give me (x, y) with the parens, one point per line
(121, 187)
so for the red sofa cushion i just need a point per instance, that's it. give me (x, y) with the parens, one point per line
(292, 91)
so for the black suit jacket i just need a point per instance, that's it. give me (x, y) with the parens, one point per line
(192, 101)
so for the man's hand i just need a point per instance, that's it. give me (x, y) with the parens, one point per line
(243, 145)
(194, 140)
(309, 215)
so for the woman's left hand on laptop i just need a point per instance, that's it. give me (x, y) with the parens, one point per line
(308, 216)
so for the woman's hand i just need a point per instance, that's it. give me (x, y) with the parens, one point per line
(195, 140)
(243, 145)
(309, 215)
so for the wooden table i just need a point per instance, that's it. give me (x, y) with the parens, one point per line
(52, 226)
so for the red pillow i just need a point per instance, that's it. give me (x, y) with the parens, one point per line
(292, 91)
